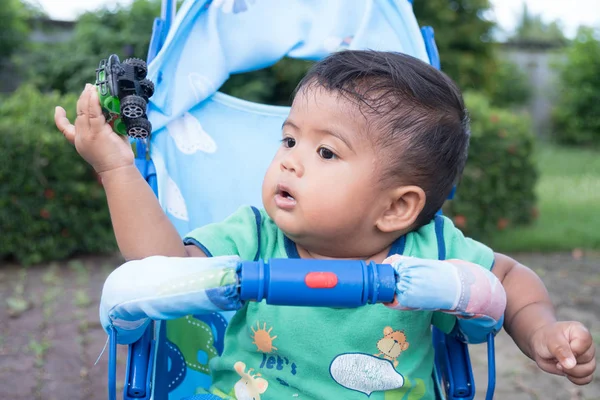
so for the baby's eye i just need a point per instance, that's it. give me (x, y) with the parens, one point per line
(325, 153)
(288, 142)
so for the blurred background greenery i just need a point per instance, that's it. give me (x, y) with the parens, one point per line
(532, 182)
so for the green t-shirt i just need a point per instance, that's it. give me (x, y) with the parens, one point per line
(279, 352)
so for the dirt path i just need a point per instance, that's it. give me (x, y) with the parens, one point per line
(48, 348)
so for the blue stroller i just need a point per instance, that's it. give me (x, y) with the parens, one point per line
(208, 151)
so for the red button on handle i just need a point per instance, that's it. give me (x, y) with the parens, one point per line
(321, 280)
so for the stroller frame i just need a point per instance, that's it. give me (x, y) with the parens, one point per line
(452, 365)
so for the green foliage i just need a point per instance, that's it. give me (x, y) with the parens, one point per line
(497, 187)
(67, 66)
(51, 204)
(577, 114)
(463, 38)
(509, 85)
(274, 85)
(14, 15)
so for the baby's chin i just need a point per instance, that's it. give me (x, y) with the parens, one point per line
(288, 224)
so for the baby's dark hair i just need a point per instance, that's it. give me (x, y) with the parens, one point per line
(420, 118)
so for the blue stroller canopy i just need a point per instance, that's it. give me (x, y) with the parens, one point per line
(210, 150)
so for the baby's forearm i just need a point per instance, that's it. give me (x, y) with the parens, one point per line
(141, 227)
(528, 304)
(527, 321)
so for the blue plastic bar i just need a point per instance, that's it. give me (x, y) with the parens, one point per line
(453, 366)
(491, 353)
(430, 46)
(167, 12)
(137, 378)
(112, 364)
(316, 283)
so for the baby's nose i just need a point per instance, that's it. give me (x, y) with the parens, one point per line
(291, 163)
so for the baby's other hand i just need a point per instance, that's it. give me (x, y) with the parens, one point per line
(92, 136)
(565, 348)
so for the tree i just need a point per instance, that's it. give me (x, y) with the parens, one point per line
(15, 30)
(509, 85)
(69, 65)
(463, 38)
(274, 85)
(462, 35)
(532, 28)
(576, 115)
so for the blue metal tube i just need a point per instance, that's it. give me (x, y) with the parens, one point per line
(112, 364)
(491, 353)
(314, 283)
(167, 13)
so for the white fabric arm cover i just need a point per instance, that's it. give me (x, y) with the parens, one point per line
(461, 288)
(159, 288)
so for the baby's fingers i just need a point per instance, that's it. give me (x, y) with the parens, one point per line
(63, 124)
(561, 350)
(82, 122)
(96, 117)
(581, 374)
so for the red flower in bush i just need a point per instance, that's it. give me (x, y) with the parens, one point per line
(44, 213)
(494, 118)
(49, 194)
(64, 232)
(460, 221)
(502, 224)
(535, 213)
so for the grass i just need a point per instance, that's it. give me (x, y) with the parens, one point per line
(568, 193)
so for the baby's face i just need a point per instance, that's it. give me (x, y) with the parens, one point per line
(322, 186)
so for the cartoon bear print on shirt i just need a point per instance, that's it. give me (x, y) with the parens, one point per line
(392, 345)
(249, 387)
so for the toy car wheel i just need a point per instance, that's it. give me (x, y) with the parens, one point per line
(133, 107)
(147, 87)
(139, 128)
(139, 66)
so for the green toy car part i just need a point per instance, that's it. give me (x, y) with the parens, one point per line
(124, 92)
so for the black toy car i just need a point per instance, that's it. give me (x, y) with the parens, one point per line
(124, 92)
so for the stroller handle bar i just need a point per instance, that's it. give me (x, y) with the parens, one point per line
(163, 288)
(327, 283)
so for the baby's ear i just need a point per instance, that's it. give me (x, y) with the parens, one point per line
(405, 205)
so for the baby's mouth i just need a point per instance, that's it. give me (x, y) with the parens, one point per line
(284, 199)
(286, 194)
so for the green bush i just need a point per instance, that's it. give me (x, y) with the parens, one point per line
(509, 85)
(67, 66)
(51, 203)
(497, 187)
(577, 114)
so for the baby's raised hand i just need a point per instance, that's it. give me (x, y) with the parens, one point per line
(92, 136)
(565, 348)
